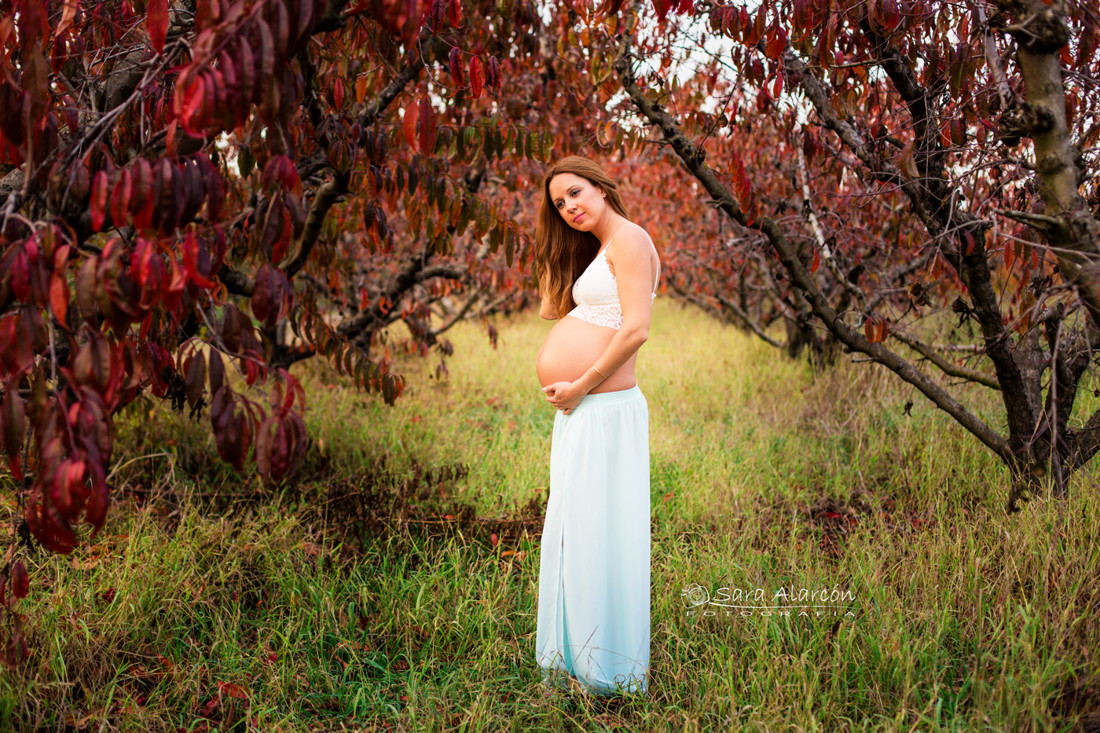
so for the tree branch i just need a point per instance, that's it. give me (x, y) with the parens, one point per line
(1076, 241)
(738, 313)
(826, 251)
(952, 370)
(958, 234)
(1088, 440)
(458, 316)
(693, 159)
(329, 192)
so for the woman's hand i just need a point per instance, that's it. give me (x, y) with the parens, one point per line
(564, 395)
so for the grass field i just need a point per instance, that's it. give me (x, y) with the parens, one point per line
(349, 601)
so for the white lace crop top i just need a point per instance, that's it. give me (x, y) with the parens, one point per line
(597, 295)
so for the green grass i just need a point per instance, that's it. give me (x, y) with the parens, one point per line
(210, 602)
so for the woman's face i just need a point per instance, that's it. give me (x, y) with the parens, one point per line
(580, 203)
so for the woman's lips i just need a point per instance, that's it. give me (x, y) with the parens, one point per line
(577, 218)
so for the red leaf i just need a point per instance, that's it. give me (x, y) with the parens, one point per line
(68, 15)
(263, 449)
(905, 162)
(20, 585)
(70, 479)
(281, 28)
(191, 113)
(611, 8)
(286, 232)
(246, 65)
(280, 451)
(777, 43)
(427, 125)
(494, 73)
(167, 194)
(267, 55)
(195, 379)
(293, 387)
(411, 113)
(454, 11)
(280, 169)
(14, 422)
(477, 76)
(99, 200)
(212, 94)
(232, 328)
(456, 65)
(216, 370)
(19, 276)
(158, 23)
(141, 195)
(816, 262)
(193, 252)
(338, 93)
(120, 198)
(59, 297)
(958, 131)
(147, 270)
(244, 428)
(86, 290)
(96, 511)
(869, 329)
(262, 296)
(303, 23)
(412, 24)
(207, 710)
(273, 231)
(232, 690)
(214, 187)
(171, 134)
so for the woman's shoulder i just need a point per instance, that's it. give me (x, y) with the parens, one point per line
(631, 240)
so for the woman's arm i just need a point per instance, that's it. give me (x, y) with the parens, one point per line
(634, 276)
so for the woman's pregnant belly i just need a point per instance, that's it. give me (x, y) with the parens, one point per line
(572, 347)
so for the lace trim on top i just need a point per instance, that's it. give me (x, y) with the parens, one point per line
(597, 296)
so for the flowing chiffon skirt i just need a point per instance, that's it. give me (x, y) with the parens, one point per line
(594, 568)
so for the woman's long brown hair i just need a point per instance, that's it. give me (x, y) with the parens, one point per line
(561, 252)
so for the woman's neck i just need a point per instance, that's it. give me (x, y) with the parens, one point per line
(606, 229)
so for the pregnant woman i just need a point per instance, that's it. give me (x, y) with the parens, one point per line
(598, 275)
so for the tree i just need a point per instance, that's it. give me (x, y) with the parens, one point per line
(950, 149)
(196, 189)
(197, 195)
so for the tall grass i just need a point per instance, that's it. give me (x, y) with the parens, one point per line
(254, 612)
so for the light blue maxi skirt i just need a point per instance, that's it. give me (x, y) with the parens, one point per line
(593, 602)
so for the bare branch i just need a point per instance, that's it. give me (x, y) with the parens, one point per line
(729, 305)
(952, 370)
(693, 160)
(1045, 224)
(458, 316)
(826, 251)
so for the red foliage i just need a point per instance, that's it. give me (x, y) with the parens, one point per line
(236, 194)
